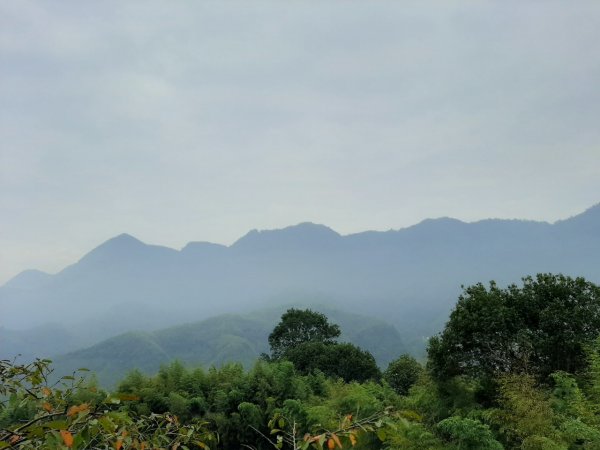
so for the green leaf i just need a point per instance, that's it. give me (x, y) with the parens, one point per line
(381, 434)
(322, 440)
(56, 425)
(107, 424)
(37, 431)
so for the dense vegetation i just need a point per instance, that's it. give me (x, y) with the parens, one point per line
(514, 368)
(215, 341)
(308, 341)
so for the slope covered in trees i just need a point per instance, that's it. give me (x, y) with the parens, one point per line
(218, 340)
(508, 396)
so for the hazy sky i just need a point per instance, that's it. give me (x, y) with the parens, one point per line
(182, 121)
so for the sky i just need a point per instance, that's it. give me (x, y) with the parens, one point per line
(198, 121)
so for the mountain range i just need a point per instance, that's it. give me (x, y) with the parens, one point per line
(409, 277)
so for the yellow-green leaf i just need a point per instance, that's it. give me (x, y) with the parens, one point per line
(56, 425)
(352, 439)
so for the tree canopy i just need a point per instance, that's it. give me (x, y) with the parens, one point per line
(402, 373)
(300, 326)
(344, 360)
(538, 328)
(307, 339)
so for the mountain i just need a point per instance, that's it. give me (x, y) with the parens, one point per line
(409, 277)
(37, 341)
(303, 237)
(29, 279)
(217, 340)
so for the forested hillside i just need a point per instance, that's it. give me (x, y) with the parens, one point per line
(507, 372)
(215, 341)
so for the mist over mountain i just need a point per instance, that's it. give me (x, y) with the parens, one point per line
(410, 277)
(218, 340)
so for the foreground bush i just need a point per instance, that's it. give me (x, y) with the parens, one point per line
(35, 414)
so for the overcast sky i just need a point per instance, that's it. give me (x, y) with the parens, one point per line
(183, 121)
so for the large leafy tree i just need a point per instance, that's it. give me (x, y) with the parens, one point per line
(301, 326)
(308, 340)
(345, 361)
(402, 373)
(538, 328)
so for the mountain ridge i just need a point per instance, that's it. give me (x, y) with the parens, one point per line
(410, 277)
(126, 241)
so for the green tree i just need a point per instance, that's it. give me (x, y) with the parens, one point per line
(300, 326)
(578, 424)
(346, 361)
(539, 328)
(307, 339)
(402, 373)
(468, 434)
(525, 416)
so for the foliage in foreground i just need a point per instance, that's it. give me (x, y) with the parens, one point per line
(74, 415)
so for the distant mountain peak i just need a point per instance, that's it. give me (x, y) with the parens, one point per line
(438, 224)
(202, 248)
(28, 279)
(202, 244)
(304, 233)
(443, 221)
(124, 239)
(119, 246)
(310, 227)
